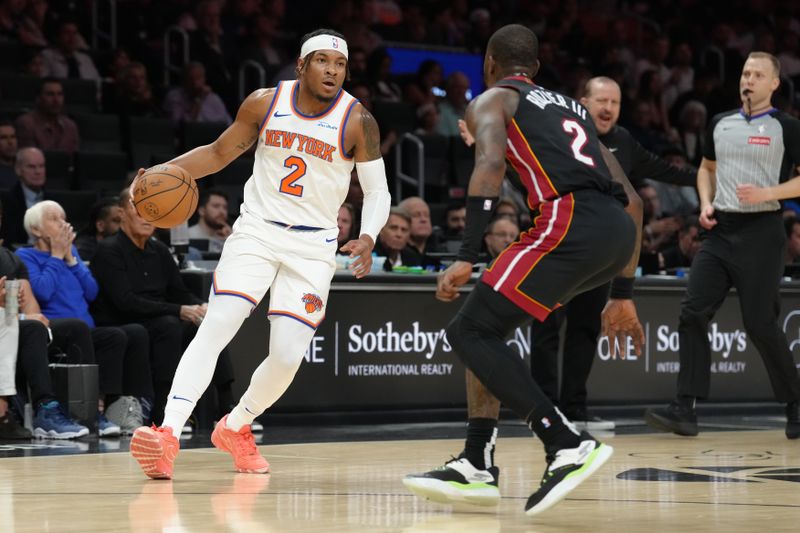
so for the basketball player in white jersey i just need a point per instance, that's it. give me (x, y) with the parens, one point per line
(308, 135)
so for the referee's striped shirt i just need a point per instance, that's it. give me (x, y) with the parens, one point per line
(763, 151)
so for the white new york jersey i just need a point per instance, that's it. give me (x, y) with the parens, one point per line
(301, 172)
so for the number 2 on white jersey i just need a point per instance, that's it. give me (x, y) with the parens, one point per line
(288, 185)
(572, 127)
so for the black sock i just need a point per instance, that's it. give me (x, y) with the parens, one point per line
(687, 401)
(481, 436)
(549, 426)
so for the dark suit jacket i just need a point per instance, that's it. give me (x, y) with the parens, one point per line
(12, 230)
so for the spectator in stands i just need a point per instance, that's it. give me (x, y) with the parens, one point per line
(481, 21)
(264, 31)
(362, 92)
(212, 225)
(65, 60)
(379, 74)
(452, 108)
(104, 221)
(691, 130)
(47, 127)
(421, 90)
(357, 63)
(8, 154)
(211, 47)
(674, 198)
(134, 97)
(28, 190)
(658, 229)
(500, 233)
(427, 120)
(346, 220)
(681, 254)
(393, 241)
(507, 208)
(681, 79)
(792, 225)
(195, 101)
(64, 287)
(455, 220)
(421, 239)
(32, 369)
(34, 64)
(140, 282)
(33, 24)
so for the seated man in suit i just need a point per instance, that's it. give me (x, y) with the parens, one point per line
(29, 190)
(140, 282)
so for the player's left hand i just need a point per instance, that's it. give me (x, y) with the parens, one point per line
(619, 321)
(361, 250)
(450, 280)
(751, 194)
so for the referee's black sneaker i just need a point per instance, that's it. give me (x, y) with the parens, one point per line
(566, 469)
(793, 420)
(677, 417)
(458, 481)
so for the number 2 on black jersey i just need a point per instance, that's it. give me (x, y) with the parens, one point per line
(578, 142)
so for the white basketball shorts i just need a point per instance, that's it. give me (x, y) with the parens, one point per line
(296, 266)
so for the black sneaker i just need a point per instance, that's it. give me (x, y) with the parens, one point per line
(586, 422)
(675, 418)
(566, 469)
(458, 481)
(793, 420)
(10, 429)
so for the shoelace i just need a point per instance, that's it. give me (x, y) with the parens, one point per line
(57, 416)
(246, 444)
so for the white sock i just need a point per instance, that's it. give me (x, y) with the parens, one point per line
(288, 343)
(196, 368)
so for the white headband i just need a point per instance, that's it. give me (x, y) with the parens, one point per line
(324, 42)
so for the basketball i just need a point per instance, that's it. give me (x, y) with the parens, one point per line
(165, 195)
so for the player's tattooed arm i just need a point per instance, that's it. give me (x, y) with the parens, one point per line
(233, 142)
(487, 119)
(366, 133)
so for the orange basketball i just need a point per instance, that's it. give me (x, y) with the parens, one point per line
(165, 195)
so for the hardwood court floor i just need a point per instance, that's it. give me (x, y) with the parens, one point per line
(717, 482)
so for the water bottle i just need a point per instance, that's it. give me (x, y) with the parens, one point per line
(12, 301)
(179, 240)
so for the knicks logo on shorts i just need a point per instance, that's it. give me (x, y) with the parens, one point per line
(313, 302)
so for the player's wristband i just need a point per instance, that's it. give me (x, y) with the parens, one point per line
(479, 213)
(622, 288)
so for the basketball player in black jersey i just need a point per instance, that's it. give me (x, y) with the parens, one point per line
(587, 230)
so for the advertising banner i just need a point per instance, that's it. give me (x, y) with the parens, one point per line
(387, 348)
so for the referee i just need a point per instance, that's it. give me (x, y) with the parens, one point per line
(749, 156)
(601, 98)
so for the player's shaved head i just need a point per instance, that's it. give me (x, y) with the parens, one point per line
(514, 46)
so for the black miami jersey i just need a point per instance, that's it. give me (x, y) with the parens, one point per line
(553, 146)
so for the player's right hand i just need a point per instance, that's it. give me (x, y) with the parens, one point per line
(449, 281)
(707, 219)
(619, 320)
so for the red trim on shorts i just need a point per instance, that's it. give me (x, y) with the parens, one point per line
(299, 318)
(231, 293)
(520, 258)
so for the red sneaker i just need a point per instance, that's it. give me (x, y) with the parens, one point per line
(242, 446)
(155, 448)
